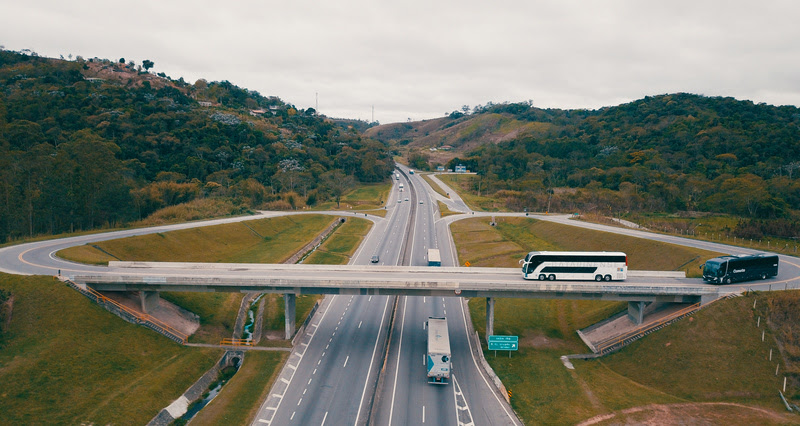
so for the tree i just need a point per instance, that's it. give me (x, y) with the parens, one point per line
(121, 60)
(147, 64)
(337, 184)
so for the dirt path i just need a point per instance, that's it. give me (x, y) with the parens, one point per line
(704, 413)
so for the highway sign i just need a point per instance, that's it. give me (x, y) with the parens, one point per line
(503, 343)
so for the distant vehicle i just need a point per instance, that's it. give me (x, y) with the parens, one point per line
(437, 360)
(401, 186)
(575, 265)
(374, 259)
(727, 269)
(420, 201)
(397, 176)
(399, 200)
(406, 199)
(434, 258)
(411, 172)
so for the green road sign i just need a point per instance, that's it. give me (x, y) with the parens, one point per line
(503, 343)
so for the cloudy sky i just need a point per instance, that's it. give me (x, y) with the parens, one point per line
(421, 59)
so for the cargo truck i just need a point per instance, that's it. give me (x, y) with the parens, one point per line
(437, 360)
(434, 258)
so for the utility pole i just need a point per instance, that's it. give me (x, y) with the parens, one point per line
(373, 113)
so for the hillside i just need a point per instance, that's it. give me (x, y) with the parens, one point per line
(678, 152)
(90, 143)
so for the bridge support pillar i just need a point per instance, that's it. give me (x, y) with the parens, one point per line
(489, 317)
(289, 300)
(149, 301)
(636, 312)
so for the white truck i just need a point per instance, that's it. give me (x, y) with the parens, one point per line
(437, 360)
(434, 258)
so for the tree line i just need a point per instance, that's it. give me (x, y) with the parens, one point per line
(679, 152)
(78, 153)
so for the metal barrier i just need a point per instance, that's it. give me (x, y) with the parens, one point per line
(136, 316)
(236, 342)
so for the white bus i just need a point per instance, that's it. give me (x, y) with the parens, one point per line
(575, 265)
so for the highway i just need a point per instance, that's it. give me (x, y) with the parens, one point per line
(332, 374)
(405, 397)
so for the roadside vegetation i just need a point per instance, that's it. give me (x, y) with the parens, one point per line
(270, 240)
(695, 361)
(434, 185)
(474, 198)
(65, 360)
(444, 211)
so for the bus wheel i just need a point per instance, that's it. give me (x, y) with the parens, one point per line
(542, 277)
(763, 276)
(551, 277)
(598, 278)
(728, 280)
(607, 277)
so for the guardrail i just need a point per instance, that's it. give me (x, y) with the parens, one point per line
(603, 347)
(134, 316)
(236, 342)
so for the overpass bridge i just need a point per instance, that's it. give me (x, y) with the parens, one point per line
(150, 278)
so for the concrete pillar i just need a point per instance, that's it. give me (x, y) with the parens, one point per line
(149, 300)
(489, 317)
(636, 312)
(289, 300)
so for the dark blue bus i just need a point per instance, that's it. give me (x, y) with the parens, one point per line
(727, 269)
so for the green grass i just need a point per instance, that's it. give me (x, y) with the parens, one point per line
(444, 211)
(238, 402)
(464, 185)
(365, 197)
(716, 228)
(715, 356)
(434, 185)
(270, 240)
(65, 360)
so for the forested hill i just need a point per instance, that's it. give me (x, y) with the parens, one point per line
(662, 153)
(86, 143)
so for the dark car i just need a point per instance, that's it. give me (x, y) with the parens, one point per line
(375, 259)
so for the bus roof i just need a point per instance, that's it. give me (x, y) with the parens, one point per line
(576, 253)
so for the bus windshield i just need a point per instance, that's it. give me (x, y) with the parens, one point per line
(713, 269)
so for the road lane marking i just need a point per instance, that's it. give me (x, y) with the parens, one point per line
(371, 361)
(345, 361)
(480, 372)
(292, 418)
(299, 401)
(399, 353)
(423, 414)
(326, 416)
(359, 324)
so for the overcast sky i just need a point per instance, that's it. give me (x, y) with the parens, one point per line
(421, 59)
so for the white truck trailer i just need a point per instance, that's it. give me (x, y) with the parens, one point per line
(437, 360)
(434, 258)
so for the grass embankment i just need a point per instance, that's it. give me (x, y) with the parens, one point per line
(270, 240)
(466, 186)
(238, 403)
(364, 197)
(65, 360)
(435, 186)
(444, 211)
(694, 361)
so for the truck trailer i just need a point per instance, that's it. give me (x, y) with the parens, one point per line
(434, 258)
(437, 360)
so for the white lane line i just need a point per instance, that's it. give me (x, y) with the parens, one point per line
(399, 352)
(371, 361)
(283, 379)
(299, 401)
(475, 362)
(293, 413)
(315, 371)
(305, 390)
(324, 418)
(423, 414)
(309, 380)
(359, 324)
(263, 421)
(345, 361)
